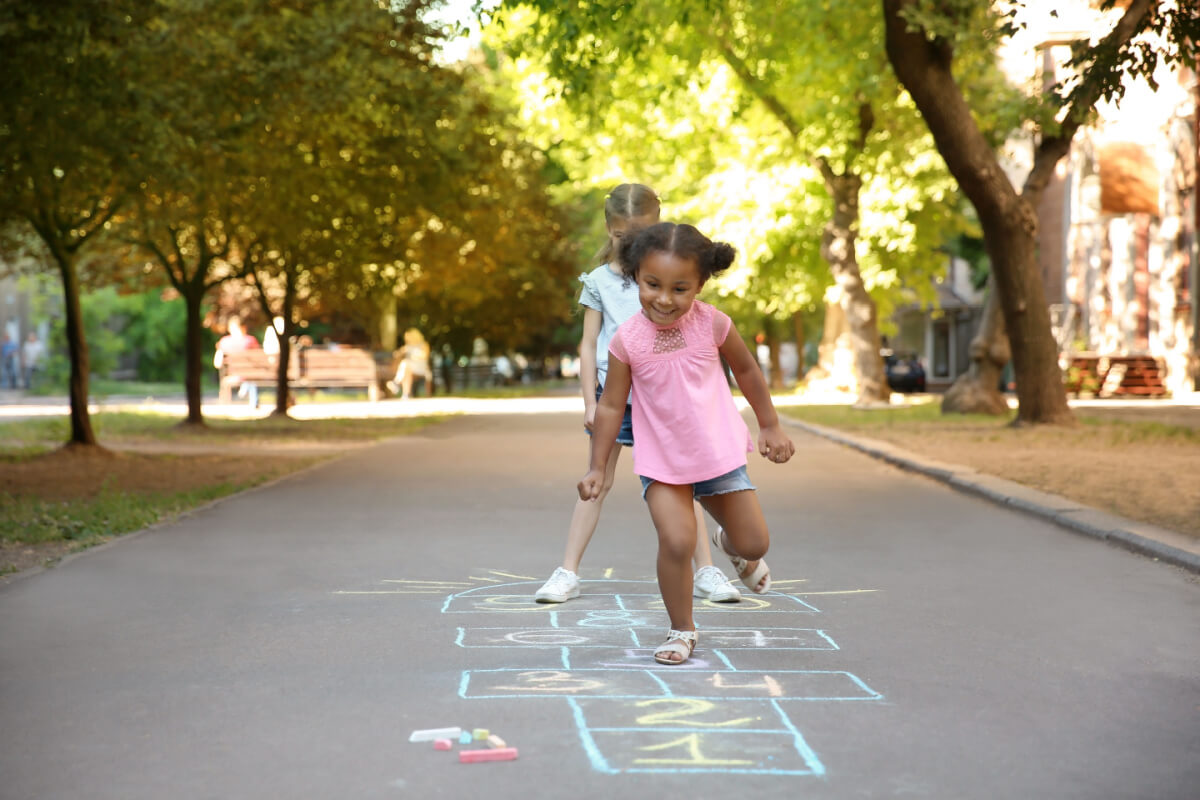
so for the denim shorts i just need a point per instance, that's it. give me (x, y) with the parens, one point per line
(625, 434)
(733, 481)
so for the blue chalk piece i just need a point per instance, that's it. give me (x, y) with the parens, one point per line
(465, 737)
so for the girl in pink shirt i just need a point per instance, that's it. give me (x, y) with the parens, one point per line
(689, 439)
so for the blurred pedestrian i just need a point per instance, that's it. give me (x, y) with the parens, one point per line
(412, 363)
(608, 299)
(8, 363)
(236, 340)
(32, 353)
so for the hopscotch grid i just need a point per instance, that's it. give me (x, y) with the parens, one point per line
(607, 608)
(807, 753)
(636, 640)
(720, 654)
(654, 675)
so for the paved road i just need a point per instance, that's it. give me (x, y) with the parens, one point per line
(286, 642)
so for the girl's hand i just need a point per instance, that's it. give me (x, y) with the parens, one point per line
(589, 416)
(774, 444)
(590, 486)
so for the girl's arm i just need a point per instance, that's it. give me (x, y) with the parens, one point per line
(609, 414)
(592, 320)
(773, 443)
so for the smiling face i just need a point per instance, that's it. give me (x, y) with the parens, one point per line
(667, 286)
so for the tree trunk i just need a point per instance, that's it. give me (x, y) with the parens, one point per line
(837, 248)
(798, 328)
(388, 330)
(194, 360)
(833, 332)
(772, 336)
(1011, 239)
(283, 397)
(977, 390)
(1009, 220)
(77, 351)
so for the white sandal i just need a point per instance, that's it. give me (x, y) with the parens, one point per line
(680, 643)
(739, 566)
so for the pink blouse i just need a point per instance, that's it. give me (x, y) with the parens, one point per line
(686, 428)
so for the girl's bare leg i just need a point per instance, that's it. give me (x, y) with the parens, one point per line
(674, 516)
(741, 517)
(586, 516)
(703, 555)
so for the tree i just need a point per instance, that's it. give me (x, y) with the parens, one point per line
(72, 127)
(831, 108)
(921, 44)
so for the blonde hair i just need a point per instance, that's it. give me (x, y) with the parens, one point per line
(627, 201)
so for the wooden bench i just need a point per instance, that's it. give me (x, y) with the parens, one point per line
(1114, 376)
(341, 368)
(309, 368)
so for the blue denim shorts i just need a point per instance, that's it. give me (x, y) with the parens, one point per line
(625, 434)
(734, 481)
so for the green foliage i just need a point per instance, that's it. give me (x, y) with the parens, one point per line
(104, 316)
(724, 108)
(141, 328)
(154, 334)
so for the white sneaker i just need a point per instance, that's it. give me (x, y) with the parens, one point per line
(710, 583)
(562, 586)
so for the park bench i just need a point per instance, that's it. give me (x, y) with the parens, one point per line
(310, 368)
(340, 368)
(1115, 376)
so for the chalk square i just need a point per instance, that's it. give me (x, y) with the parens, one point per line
(545, 637)
(682, 714)
(525, 604)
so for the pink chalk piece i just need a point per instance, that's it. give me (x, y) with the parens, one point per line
(498, 754)
(442, 744)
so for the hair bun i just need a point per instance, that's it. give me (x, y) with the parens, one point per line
(722, 256)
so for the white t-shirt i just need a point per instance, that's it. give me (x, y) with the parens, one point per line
(616, 298)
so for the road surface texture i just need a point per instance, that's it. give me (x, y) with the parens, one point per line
(919, 642)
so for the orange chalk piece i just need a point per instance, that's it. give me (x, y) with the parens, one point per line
(498, 754)
(496, 742)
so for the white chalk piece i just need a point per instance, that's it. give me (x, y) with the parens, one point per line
(472, 756)
(435, 733)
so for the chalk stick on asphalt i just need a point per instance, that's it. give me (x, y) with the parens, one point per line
(501, 754)
(430, 734)
(481, 734)
(442, 744)
(495, 741)
(465, 737)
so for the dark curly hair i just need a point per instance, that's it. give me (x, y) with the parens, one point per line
(680, 240)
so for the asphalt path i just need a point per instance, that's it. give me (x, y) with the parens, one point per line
(286, 642)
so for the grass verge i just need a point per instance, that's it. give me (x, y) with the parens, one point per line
(55, 500)
(1134, 462)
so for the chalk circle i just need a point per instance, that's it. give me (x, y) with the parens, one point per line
(552, 637)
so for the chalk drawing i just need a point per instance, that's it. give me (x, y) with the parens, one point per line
(715, 713)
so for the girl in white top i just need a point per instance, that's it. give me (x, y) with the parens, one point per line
(609, 299)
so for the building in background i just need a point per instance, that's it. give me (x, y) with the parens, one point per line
(1118, 222)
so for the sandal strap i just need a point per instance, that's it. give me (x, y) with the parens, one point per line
(687, 636)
